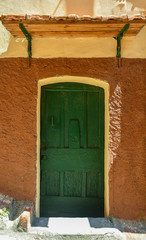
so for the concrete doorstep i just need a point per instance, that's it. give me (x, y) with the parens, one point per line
(71, 229)
(76, 228)
(68, 228)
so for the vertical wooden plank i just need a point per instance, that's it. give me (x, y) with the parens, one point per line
(93, 119)
(74, 134)
(43, 183)
(43, 108)
(72, 184)
(85, 121)
(61, 184)
(74, 110)
(52, 183)
(92, 184)
(99, 185)
(62, 99)
(84, 184)
(101, 119)
(52, 119)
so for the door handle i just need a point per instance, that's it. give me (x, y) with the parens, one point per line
(44, 147)
(43, 157)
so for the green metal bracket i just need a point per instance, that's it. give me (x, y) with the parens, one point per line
(28, 37)
(119, 38)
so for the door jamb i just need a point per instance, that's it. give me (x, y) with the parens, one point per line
(89, 81)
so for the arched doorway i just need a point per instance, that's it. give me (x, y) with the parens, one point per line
(72, 149)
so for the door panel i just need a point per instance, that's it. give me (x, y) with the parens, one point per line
(72, 150)
(93, 120)
(74, 116)
(50, 126)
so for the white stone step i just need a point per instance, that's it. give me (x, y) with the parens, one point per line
(76, 228)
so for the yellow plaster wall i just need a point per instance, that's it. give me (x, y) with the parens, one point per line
(80, 7)
(49, 48)
(132, 47)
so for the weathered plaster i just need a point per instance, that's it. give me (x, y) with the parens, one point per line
(30, 7)
(132, 47)
(4, 39)
(65, 7)
(119, 7)
(115, 112)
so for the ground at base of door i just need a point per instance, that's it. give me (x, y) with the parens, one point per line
(20, 214)
(104, 234)
(76, 229)
(19, 225)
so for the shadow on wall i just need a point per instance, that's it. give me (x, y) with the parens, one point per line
(86, 7)
(100, 7)
(138, 3)
(129, 6)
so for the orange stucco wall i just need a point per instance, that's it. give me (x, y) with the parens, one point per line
(18, 114)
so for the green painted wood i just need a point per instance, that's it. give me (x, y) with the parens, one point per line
(71, 207)
(72, 150)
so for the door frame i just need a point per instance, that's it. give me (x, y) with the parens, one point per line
(89, 81)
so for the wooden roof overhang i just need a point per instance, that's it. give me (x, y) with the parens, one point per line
(71, 26)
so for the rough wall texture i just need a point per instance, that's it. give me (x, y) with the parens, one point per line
(65, 7)
(18, 94)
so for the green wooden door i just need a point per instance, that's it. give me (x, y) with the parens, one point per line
(72, 150)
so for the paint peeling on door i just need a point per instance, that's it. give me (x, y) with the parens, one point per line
(115, 122)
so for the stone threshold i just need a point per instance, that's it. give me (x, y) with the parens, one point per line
(75, 228)
(67, 225)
